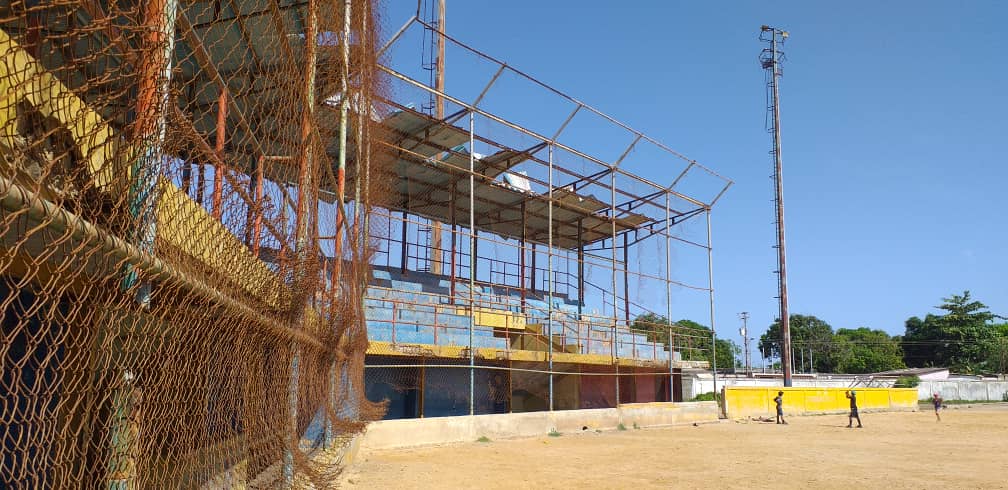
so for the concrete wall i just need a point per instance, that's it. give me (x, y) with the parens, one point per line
(694, 385)
(964, 389)
(743, 402)
(388, 434)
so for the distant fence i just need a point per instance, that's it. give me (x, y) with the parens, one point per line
(973, 390)
(744, 401)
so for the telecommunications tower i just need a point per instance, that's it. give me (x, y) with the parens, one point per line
(770, 59)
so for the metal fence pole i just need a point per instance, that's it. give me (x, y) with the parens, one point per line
(549, 259)
(472, 264)
(710, 291)
(292, 407)
(159, 17)
(341, 171)
(612, 220)
(668, 287)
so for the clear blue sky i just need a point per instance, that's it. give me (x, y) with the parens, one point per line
(895, 131)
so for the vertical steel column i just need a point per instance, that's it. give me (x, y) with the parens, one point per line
(521, 257)
(532, 270)
(337, 269)
(358, 209)
(152, 103)
(668, 288)
(472, 263)
(257, 220)
(366, 104)
(250, 208)
(402, 247)
(159, 18)
(626, 279)
(612, 248)
(292, 406)
(344, 108)
(454, 231)
(304, 225)
(551, 279)
(580, 270)
(710, 291)
(218, 181)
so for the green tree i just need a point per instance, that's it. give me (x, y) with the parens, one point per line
(997, 360)
(690, 338)
(863, 350)
(963, 339)
(807, 332)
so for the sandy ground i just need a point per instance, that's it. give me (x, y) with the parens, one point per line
(968, 449)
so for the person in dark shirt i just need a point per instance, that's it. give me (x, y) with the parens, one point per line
(852, 396)
(937, 401)
(779, 400)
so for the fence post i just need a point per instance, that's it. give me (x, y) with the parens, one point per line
(292, 407)
(472, 262)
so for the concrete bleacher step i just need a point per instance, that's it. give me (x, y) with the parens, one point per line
(406, 286)
(559, 342)
(376, 313)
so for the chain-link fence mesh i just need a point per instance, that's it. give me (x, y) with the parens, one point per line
(177, 256)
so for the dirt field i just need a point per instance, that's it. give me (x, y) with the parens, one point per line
(968, 449)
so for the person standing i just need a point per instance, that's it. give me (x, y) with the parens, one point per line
(779, 400)
(936, 399)
(852, 396)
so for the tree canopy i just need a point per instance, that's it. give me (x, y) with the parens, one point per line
(965, 338)
(855, 351)
(807, 332)
(863, 350)
(690, 338)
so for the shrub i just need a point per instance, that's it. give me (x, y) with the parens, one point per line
(907, 382)
(553, 433)
(483, 439)
(635, 426)
(621, 426)
(704, 397)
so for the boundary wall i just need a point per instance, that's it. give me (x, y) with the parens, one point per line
(745, 401)
(400, 433)
(972, 390)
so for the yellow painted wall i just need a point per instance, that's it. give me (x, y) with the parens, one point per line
(746, 401)
(183, 223)
(489, 317)
(23, 79)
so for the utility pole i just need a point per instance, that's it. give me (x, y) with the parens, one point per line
(770, 60)
(745, 340)
(435, 227)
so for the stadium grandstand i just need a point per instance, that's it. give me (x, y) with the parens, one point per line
(504, 278)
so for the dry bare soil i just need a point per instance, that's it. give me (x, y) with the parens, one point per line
(968, 449)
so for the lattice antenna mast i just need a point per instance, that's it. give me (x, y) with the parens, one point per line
(770, 59)
(435, 65)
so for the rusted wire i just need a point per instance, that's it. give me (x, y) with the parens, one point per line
(169, 320)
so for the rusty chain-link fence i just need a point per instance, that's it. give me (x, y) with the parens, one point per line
(179, 240)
